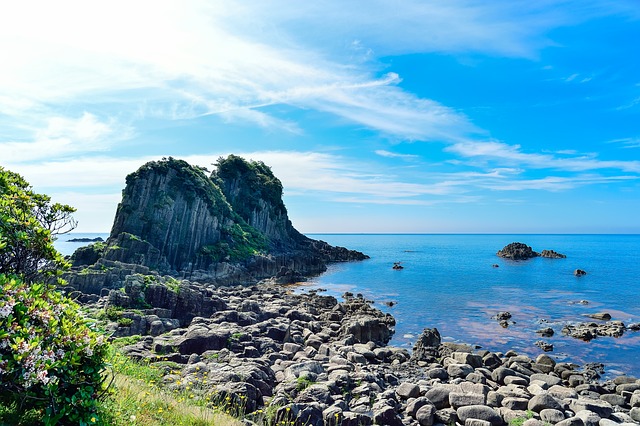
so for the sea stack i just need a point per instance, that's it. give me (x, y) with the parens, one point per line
(176, 218)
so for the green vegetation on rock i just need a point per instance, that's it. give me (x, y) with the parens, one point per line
(252, 181)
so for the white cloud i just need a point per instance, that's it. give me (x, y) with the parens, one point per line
(185, 60)
(63, 136)
(512, 154)
(389, 154)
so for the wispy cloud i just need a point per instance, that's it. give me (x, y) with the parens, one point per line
(513, 154)
(627, 142)
(215, 57)
(63, 136)
(389, 154)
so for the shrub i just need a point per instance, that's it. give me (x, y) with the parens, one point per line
(50, 360)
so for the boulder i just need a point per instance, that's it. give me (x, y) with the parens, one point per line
(480, 412)
(550, 254)
(517, 251)
(426, 347)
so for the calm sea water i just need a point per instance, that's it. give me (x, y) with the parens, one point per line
(448, 282)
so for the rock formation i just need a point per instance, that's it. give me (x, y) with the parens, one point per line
(517, 251)
(229, 226)
(312, 360)
(520, 251)
(552, 254)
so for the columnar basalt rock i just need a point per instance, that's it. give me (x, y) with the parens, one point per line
(227, 228)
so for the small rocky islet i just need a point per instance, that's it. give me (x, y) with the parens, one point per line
(193, 277)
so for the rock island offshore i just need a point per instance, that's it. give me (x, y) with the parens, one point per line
(196, 270)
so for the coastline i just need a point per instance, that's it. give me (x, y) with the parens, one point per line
(320, 361)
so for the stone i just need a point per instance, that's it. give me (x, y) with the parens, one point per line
(438, 373)
(413, 405)
(604, 316)
(533, 422)
(589, 418)
(614, 399)
(459, 370)
(426, 347)
(571, 421)
(547, 378)
(439, 396)
(480, 412)
(408, 390)
(551, 415)
(543, 401)
(476, 422)
(388, 416)
(515, 403)
(498, 375)
(425, 415)
(545, 346)
(579, 272)
(601, 408)
(545, 332)
(446, 416)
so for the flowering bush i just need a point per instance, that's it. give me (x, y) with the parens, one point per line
(49, 358)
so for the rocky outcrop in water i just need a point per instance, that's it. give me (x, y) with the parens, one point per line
(551, 254)
(232, 225)
(520, 251)
(517, 251)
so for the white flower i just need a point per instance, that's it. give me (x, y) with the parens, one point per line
(7, 308)
(42, 376)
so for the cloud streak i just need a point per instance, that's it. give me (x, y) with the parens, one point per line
(213, 57)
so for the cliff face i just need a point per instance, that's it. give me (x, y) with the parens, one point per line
(256, 195)
(174, 218)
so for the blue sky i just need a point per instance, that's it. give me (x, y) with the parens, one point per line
(406, 116)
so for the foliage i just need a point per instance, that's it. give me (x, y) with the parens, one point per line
(29, 223)
(137, 399)
(188, 180)
(49, 359)
(519, 421)
(238, 242)
(303, 382)
(254, 182)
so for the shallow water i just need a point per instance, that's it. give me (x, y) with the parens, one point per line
(448, 282)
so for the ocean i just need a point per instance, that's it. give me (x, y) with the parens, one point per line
(449, 282)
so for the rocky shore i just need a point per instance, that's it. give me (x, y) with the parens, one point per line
(308, 359)
(192, 280)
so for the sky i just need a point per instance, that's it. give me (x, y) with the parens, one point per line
(411, 116)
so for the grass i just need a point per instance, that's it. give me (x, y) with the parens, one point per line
(137, 400)
(518, 421)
